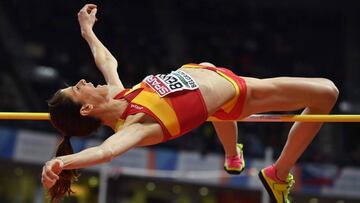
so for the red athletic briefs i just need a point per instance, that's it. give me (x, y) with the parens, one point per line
(179, 108)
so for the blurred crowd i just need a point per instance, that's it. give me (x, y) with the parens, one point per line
(41, 50)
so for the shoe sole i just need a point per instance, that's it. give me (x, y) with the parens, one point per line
(267, 187)
(232, 172)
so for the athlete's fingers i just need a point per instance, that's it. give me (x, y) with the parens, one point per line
(44, 176)
(90, 7)
(57, 166)
(49, 171)
(82, 13)
(93, 12)
(46, 180)
(48, 183)
(86, 9)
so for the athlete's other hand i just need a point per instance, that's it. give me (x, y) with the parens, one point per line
(87, 17)
(50, 172)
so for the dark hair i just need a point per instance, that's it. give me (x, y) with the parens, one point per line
(65, 116)
(62, 187)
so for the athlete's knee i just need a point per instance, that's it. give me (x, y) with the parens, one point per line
(207, 64)
(333, 90)
(329, 92)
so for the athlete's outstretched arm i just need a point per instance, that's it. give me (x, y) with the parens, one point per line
(115, 145)
(104, 60)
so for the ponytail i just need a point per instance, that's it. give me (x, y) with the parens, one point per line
(62, 187)
(65, 116)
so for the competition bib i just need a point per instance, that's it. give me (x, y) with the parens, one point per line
(164, 84)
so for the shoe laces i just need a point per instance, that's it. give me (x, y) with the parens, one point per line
(290, 181)
(287, 185)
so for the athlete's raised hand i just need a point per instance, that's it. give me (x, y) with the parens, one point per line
(87, 17)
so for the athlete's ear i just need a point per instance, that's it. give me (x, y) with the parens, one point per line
(86, 109)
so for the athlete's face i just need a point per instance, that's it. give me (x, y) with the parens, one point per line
(86, 93)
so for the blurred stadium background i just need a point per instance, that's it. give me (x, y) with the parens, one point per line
(41, 50)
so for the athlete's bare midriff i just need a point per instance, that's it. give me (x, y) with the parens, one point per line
(215, 89)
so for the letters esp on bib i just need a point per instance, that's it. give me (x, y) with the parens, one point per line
(164, 84)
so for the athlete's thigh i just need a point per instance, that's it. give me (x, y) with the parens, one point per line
(282, 93)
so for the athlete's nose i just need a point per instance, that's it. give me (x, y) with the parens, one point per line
(80, 83)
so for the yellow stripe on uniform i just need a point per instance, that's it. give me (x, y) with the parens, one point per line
(230, 104)
(160, 108)
(192, 66)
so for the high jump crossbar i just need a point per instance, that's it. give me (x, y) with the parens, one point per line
(252, 118)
